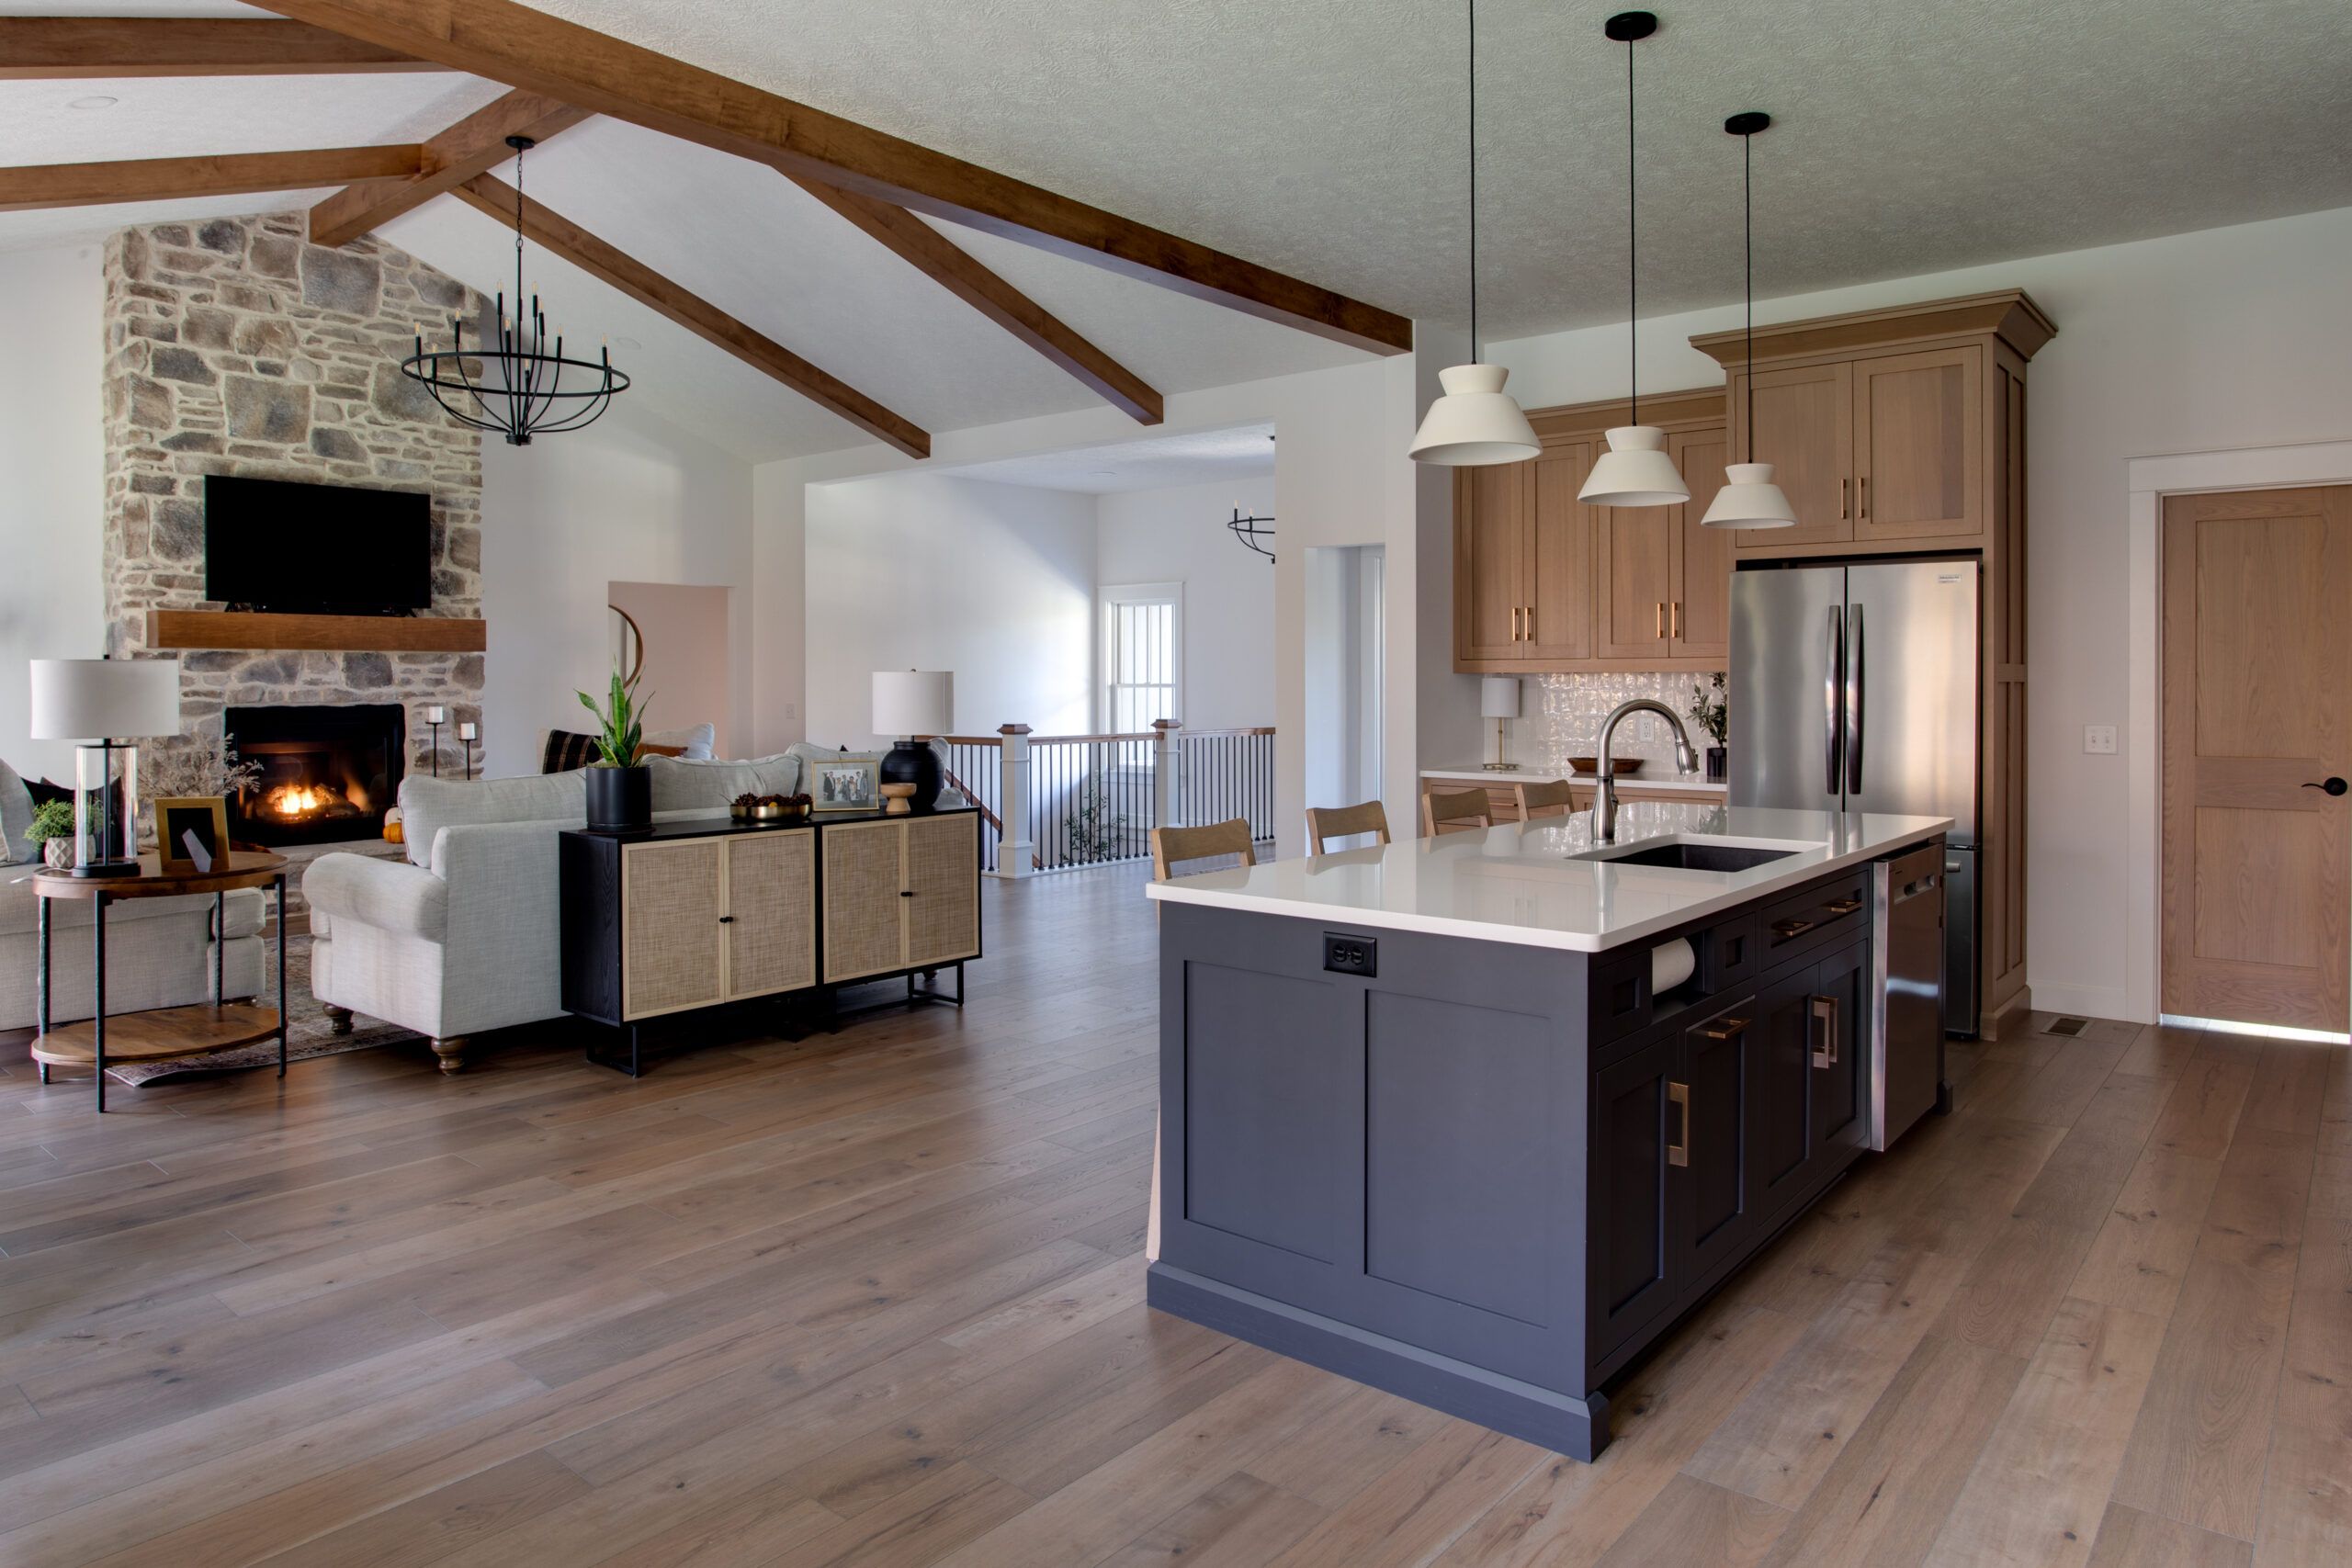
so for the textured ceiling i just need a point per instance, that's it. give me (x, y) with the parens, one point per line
(1151, 462)
(1326, 137)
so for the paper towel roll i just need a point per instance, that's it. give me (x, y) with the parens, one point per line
(1671, 963)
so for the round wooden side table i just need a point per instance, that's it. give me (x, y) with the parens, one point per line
(162, 1033)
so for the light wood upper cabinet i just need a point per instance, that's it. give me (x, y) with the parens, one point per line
(1634, 578)
(1919, 445)
(1558, 624)
(1698, 625)
(1804, 428)
(1490, 547)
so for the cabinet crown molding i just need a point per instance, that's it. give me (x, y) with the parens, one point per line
(2008, 314)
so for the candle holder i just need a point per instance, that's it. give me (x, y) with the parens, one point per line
(468, 734)
(435, 716)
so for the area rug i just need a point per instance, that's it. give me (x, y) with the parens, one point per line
(311, 1034)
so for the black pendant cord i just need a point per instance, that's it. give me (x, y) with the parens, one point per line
(1473, 182)
(1747, 249)
(1633, 257)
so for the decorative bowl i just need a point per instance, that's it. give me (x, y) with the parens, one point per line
(758, 811)
(1622, 767)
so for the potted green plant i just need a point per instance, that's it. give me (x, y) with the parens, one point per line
(620, 789)
(52, 829)
(1713, 712)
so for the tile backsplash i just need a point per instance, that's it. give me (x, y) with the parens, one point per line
(1560, 717)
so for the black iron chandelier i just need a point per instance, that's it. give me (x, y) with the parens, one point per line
(1249, 530)
(518, 388)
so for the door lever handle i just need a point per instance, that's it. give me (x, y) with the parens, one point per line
(2331, 786)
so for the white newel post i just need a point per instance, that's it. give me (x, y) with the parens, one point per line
(1014, 850)
(1167, 786)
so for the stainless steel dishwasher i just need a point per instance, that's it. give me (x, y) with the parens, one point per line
(1906, 991)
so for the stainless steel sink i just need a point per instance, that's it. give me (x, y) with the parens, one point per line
(1693, 852)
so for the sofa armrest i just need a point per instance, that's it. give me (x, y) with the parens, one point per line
(387, 894)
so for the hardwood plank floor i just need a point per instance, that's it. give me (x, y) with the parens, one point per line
(877, 1298)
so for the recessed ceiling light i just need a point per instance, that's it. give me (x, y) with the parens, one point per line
(95, 101)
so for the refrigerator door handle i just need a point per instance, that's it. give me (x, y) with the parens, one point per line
(1833, 671)
(1854, 727)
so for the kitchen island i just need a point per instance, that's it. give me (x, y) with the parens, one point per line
(1476, 1119)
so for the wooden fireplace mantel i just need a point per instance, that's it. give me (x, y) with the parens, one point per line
(252, 629)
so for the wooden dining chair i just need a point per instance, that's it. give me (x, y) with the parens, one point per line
(1175, 846)
(1545, 798)
(1446, 810)
(1325, 823)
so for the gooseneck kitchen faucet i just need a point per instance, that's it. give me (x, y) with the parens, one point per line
(1604, 794)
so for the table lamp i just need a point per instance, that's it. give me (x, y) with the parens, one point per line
(105, 701)
(908, 704)
(1499, 700)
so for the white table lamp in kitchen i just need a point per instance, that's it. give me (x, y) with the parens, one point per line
(1499, 700)
(105, 701)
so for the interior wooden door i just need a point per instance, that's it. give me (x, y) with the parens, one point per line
(1919, 445)
(1698, 623)
(866, 922)
(2258, 723)
(944, 882)
(1632, 579)
(672, 955)
(1804, 428)
(771, 912)
(1491, 504)
(1558, 623)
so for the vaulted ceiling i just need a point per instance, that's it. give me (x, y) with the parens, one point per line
(1321, 138)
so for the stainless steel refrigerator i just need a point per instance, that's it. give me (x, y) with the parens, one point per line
(1854, 688)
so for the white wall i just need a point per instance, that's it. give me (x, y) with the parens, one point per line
(922, 571)
(52, 462)
(2230, 337)
(631, 498)
(1178, 535)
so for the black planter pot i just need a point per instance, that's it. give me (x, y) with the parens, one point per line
(1718, 764)
(619, 798)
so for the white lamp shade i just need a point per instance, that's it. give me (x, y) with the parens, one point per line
(1634, 471)
(914, 702)
(105, 699)
(1476, 422)
(1750, 499)
(1499, 698)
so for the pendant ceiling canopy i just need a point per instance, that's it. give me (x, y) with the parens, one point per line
(1750, 499)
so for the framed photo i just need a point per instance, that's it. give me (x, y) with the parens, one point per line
(846, 784)
(191, 833)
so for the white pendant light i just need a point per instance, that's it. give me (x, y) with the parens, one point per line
(1635, 471)
(1475, 422)
(1750, 499)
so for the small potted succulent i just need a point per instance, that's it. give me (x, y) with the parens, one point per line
(1713, 712)
(620, 789)
(52, 829)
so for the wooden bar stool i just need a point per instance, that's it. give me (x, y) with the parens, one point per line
(1448, 811)
(1175, 846)
(1549, 798)
(1325, 823)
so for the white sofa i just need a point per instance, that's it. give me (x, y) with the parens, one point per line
(460, 938)
(159, 952)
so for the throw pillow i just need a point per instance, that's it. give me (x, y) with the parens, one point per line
(16, 818)
(696, 743)
(567, 750)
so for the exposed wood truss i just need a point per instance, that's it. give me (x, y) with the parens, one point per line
(470, 147)
(28, 187)
(957, 270)
(698, 315)
(36, 48)
(529, 49)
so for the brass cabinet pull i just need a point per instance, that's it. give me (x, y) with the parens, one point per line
(1678, 1151)
(1674, 617)
(1793, 926)
(1865, 488)
(1660, 630)
(1728, 1029)
(1825, 1014)
(1514, 623)
(1845, 499)
(1530, 623)
(1844, 906)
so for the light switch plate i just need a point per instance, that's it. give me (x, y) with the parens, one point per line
(2098, 739)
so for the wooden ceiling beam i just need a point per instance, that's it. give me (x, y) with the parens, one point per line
(529, 49)
(472, 146)
(551, 230)
(961, 274)
(27, 187)
(53, 48)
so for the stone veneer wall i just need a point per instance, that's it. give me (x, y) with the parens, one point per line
(235, 346)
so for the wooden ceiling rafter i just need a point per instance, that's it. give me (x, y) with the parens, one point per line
(30, 187)
(962, 274)
(34, 49)
(530, 50)
(475, 145)
(552, 231)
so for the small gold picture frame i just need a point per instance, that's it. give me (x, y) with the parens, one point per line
(844, 783)
(191, 834)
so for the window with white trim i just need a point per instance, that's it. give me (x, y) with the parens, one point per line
(1142, 655)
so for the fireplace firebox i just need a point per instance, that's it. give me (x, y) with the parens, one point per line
(328, 772)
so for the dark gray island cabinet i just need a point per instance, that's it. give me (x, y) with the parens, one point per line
(1485, 1171)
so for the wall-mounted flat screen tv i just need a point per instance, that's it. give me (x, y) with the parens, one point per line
(317, 549)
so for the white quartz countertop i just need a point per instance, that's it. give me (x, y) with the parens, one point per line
(1518, 881)
(1668, 779)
